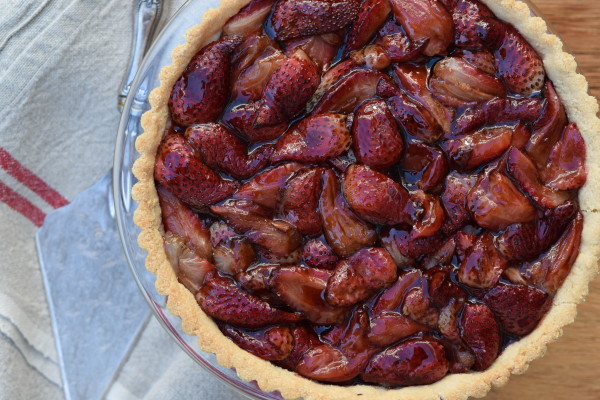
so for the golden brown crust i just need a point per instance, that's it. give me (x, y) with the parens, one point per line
(581, 108)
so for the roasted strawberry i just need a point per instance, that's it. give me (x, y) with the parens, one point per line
(276, 236)
(413, 80)
(441, 256)
(371, 16)
(320, 48)
(182, 221)
(221, 149)
(377, 142)
(391, 299)
(330, 77)
(270, 344)
(457, 83)
(518, 308)
(375, 197)
(304, 339)
(233, 256)
(424, 165)
(454, 200)
(344, 231)
(191, 269)
(547, 129)
(496, 112)
(472, 150)
(483, 264)
(178, 168)
(526, 175)
(496, 203)
(518, 64)
(300, 201)
(242, 117)
(257, 280)
(481, 333)
(417, 306)
(220, 298)
(314, 139)
(202, 91)
(249, 19)
(303, 290)
(425, 19)
(372, 56)
(481, 59)
(430, 218)
(400, 48)
(350, 91)
(288, 90)
(296, 18)
(441, 289)
(361, 275)
(264, 188)
(389, 327)
(402, 245)
(550, 270)
(319, 255)
(467, 16)
(566, 163)
(220, 232)
(412, 362)
(292, 258)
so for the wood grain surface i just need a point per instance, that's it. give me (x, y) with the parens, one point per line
(571, 367)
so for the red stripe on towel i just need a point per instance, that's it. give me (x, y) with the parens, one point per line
(20, 204)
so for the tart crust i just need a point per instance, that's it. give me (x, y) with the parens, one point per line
(581, 108)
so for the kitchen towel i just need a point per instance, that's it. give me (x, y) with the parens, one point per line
(61, 64)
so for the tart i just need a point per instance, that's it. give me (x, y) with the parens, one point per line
(371, 198)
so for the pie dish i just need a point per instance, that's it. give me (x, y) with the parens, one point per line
(580, 109)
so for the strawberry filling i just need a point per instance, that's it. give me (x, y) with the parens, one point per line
(386, 208)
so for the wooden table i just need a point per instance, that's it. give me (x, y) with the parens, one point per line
(571, 367)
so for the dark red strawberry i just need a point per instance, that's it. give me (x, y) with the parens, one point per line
(351, 90)
(179, 169)
(467, 16)
(179, 219)
(300, 201)
(391, 299)
(430, 217)
(457, 83)
(242, 117)
(319, 255)
(265, 187)
(518, 64)
(400, 243)
(481, 333)
(314, 139)
(483, 264)
(425, 19)
(377, 141)
(270, 344)
(424, 165)
(481, 59)
(321, 49)
(566, 163)
(296, 18)
(202, 91)
(249, 19)
(233, 256)
(220, 232)
(418, 307)
(330, 77)
(221, 149)
(412, 362)
(441, 256)
(375, 197)
(442, 290)
(548, 128)
(371, 16)
(278, 237)
(472, 150)
(518, 308)
(360, 276)
(302, 289)
(400, 48)
(222, 299)
(191, 269)
(550, 270)
(496, 112)
(304, 339)
(344, 231)
(496, 203)
(454, 200)
(372, 56)
(389, 327)
(288, 90)
(523, 171)
(413, 80)
(257, 280)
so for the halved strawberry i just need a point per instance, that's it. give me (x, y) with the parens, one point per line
(467, 16)
(481, 59)
(375, 197)
(257, 280)
(233, 256)
(319, 255)
(202, 91)
(296, 18)
(389, 327)
(431, 218)
(191, 269)
(249, 19)
(304, 339)
(264, 188)
(402, 245)
(400, 48)
(518, 308)
(271, 344)
(483, 264)
(566, 163)
(417, 306)
(481, 333)
(361, 275)
(321, 49)
(441, 256)
(424, 165)
(425, 19)
(412, 362)
(454, 200)
(344, 231)
(371, 16)
(314, 139)
(221, 298)
(179, 169)
(472, 150)
(300, 201)
(391, 299)
(441, 288)
(242, 117)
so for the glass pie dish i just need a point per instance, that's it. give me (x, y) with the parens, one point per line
(136, 104)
